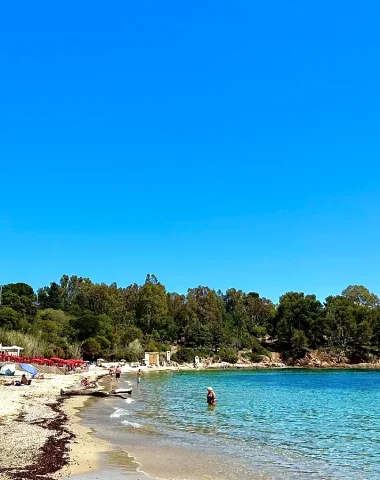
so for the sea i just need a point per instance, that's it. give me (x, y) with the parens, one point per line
(285, 424)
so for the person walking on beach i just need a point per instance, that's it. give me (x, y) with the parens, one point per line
(211, 397)
(138, 376)
(117, 373)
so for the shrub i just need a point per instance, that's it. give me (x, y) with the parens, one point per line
(184, 355)
(32, 345)
(228, 355)
(134, 351)
(255, 357)
(259, 349)
(151, 346)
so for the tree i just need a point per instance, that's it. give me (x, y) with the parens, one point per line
(130, 334)
(299, 341)
(51, 297)
(340, 321)
(22, 304)
(91, 347)
(152, 308)
(71, 286)
(205, 307)
(19, 289)
(9, 318)
(360, 295)
(299, 312)
(177, 309)
(89, 325)
(198, 335)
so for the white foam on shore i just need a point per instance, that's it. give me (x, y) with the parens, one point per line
(119, 412)
(132, 424)
(129, 400)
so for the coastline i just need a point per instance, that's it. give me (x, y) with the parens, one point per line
(85, 449)
(43, 431)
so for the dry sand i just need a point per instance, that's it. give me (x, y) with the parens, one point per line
(38, 431)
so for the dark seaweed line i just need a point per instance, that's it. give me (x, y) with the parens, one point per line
(53, 455)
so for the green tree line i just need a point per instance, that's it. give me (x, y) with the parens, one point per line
(78, 317)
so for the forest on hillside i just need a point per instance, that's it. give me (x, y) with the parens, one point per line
(77, 317)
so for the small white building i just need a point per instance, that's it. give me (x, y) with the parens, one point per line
(14, 350)
(152, 358)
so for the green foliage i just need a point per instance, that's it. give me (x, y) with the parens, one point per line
(51, 297)
(360, 295)
(32, 345)
(152, 306)
(130, 334)
(91, 347)
(255, 357)
(299, 340)
(151, 346)
(184, 355)
(19, 289)
(134, 352)
(9, 319)
(226, 354)
(78, 316)
(258, 349)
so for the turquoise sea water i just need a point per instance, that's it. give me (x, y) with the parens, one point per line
(283, 424)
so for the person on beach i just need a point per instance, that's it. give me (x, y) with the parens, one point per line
(24, 380)
(117, 373)
(138, 376)
(211, 397)
(111, 371)
(84, 382)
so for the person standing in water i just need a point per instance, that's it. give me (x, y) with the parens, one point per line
(138, 376)
(117, 373)
(211, 397)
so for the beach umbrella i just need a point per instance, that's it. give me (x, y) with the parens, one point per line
(29, 368)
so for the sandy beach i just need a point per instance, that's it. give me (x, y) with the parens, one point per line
(39, 433)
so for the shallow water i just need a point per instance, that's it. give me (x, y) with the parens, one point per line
(278, 424)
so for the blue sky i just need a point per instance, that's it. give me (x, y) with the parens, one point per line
(214, 143)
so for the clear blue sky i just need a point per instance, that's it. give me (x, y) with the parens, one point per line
(209, 142)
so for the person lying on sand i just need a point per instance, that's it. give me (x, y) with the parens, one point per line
(87, 384)
(19, 383)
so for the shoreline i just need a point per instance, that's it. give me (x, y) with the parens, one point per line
(84, 451)
(44, 430)
(261, 366)
(96, 463)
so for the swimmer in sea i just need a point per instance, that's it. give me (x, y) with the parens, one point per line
(211, 397)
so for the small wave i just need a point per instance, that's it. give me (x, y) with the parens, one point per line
(129, 400)
(119, 412)
(131, 424)
(128, 383)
